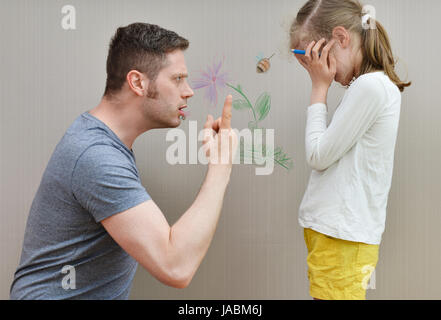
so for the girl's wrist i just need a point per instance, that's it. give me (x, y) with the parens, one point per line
(319, 94)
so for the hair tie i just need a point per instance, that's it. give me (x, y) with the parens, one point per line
(364, 21)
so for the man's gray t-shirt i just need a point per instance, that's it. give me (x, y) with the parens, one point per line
(91, 175)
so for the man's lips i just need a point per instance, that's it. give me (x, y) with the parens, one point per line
(181, 112)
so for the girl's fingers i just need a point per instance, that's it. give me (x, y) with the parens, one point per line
(332, 63)
(326, 50)
(308, 50)
(316, 49)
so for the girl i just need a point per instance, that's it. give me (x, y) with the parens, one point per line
(343, 211)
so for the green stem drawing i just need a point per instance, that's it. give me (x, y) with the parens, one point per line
(238, 90)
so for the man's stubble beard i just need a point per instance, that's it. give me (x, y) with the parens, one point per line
(152, 90)
(153, 94)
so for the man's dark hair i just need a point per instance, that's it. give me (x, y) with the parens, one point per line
(142, 47)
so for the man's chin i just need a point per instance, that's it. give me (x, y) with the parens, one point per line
(168, 125)
(176, 123)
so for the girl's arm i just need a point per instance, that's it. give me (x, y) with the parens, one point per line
(321, 67)
(356, 114)
(359, 109)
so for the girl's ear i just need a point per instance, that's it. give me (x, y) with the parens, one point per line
(342, 36)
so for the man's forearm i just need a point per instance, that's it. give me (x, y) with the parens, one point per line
(191, 235)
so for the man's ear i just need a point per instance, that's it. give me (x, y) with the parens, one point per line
(137, 82)
(342, 36)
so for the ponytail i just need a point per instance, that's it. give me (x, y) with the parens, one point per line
(377, 54)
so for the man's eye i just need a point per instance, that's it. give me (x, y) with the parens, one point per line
(178, 79)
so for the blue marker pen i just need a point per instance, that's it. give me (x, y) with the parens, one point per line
(298, 51)
(301, 52)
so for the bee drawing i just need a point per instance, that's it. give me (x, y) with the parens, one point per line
(263, 64)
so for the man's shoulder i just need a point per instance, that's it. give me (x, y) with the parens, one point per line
(86, 138)
(102, 153)
(86, 144)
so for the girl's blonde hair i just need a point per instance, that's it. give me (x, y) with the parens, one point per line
(318, 18)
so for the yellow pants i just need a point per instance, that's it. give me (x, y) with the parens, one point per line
(338, 269)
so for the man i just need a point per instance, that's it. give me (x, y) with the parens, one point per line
(91, 215)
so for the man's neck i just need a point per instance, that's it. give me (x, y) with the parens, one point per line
(120, 119)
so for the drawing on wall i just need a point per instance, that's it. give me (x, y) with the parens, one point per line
(211, 80)
(263, 64)
(259, 111)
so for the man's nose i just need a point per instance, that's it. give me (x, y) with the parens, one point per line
(188, 93)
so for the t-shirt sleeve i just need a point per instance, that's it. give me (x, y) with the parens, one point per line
(360, 108)
(106, 182)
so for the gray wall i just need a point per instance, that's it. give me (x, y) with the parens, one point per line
(50, 75)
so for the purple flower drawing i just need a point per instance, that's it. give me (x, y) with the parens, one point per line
(212, 80)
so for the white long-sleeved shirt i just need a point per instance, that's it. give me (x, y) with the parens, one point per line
(352, 161)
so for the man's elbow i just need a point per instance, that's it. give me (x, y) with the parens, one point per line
(172, 275)
(175, 279)
(179, 279)
(180, 284)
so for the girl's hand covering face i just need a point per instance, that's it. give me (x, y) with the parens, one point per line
(321, 67)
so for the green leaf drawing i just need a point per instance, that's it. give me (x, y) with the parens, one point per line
(240, 104)
(260, 153)
(239, 90)
(263, 105)
(282, 159)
